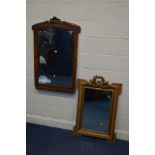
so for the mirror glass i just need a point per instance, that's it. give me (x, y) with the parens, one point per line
(96, 109)
(56, 56)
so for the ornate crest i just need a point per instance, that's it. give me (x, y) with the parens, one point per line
(54, 19)
(99, 81)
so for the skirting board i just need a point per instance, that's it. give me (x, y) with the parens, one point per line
(64, 124)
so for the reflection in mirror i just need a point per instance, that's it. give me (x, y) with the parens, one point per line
(96, 109)
(56, 56)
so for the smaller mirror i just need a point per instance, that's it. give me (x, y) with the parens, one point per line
(96, 110)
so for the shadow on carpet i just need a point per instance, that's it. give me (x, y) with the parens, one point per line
(42, 140)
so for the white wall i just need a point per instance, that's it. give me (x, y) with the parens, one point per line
(103, 50)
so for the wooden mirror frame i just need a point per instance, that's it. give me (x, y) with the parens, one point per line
(55, 23)
(98, 83)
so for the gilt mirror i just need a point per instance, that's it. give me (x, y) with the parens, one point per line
(97, 105)
(55, 55)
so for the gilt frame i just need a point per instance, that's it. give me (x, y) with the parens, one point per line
(116, 89)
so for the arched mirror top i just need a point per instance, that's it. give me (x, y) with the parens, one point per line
(56, 23)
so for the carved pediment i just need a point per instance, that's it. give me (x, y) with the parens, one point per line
(99, 81)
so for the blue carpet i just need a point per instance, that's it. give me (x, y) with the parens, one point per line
(42, 140)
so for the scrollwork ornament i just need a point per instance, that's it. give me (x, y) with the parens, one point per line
(99, 81)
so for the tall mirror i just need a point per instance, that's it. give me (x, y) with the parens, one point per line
(55, 55)
(97, 104)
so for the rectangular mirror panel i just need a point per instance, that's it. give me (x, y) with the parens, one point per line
(56, 48)
(96, 109)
